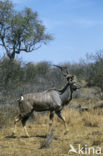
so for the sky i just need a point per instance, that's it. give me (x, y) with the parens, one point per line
(76, 25)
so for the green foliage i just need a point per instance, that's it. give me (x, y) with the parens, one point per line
(20, 31)
(11, 73)
(95, 71)
(6, 12)
(43, 68)
(16, 73)
(30, 72)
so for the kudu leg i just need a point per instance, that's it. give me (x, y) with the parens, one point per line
(51, 119)
(24, 125)
(62, 118)
(17, 118)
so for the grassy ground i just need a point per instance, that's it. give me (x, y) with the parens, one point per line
(84, 128)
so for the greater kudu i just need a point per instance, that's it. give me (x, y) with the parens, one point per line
(52, 100)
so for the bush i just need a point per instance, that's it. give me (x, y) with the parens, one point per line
(95, 71)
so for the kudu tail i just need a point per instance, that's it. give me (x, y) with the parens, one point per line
(21, 98)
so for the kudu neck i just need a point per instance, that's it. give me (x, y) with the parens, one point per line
(66, 94)
(63, 89)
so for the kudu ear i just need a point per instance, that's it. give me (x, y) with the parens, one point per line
(70, 77)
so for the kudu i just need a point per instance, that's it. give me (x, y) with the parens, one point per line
(52, 100)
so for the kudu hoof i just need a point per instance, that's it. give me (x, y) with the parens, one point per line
(12, 134)
(27, 136)
(66, 132)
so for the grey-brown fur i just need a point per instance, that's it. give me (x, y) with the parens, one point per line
(50, 100)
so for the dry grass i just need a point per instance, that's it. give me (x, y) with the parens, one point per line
(85, 128)
(91, 120)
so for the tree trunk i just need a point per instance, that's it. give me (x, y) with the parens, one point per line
(11, 56)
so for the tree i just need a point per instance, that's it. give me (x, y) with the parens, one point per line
(20, 31)
(94, 70)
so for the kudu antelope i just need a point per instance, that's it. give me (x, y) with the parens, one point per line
(52, 100)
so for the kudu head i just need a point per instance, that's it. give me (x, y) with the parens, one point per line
(70, 78)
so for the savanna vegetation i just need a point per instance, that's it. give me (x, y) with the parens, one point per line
(24, 32)
(18, 78)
